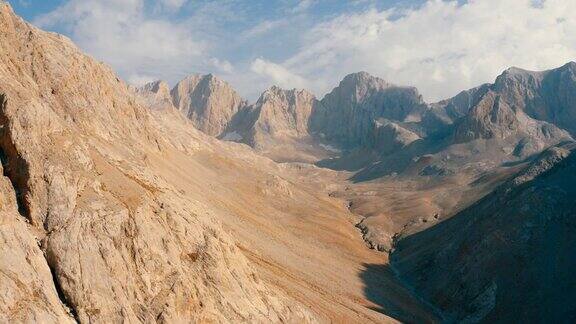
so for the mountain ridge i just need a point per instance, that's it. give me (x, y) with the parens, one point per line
(145, 204)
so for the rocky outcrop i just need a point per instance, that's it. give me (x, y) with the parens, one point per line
(491, 117)
(519, 104)
(28, 290)
(347, 114)
(389, 137)
(210, 103)
(108, 238)
(156, 95)
(278, 115)
(509, 251)
(548, 96)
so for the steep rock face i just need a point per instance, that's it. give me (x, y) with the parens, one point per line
(490, 117)
(459, 106)
(120, 242)
(548, 96)
(277, 115)
(28, 294)
(348, 113)
(522, 104)
(506, 258)
(208, 102)
(285, 112)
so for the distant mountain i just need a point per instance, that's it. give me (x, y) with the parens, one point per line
(536, 107)
(157, 94)
(348, 115)
(548, 96)
(527, 111)
(210, 103)
(278, 114)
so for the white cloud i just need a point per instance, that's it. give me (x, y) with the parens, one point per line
(440, 47)
(278, 74)
(302, 6)
(222, 65)
(120, 33)
(265, 27)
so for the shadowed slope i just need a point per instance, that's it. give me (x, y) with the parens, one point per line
(507, 257)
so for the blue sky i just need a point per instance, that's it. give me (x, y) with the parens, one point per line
(439, 46)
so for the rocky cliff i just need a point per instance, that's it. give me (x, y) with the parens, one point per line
(278, 115)
(210, 103)
(91, 232)
(535, 106)
(348, 113)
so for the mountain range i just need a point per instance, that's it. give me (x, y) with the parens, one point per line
(190, 204)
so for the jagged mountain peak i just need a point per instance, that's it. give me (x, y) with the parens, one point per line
(362, 77)
(279, 93)
(158, 86)
(156, 94)
(514, 77)
(208, 101)
(363, 81)
(524, 75)
(284, 112)
(362, 87)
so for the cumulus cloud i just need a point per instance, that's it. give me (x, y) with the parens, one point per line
(222, 65)
(120, 33)
(440, 47)
(278, 74)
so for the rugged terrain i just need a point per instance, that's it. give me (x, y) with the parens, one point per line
(415, 172)
(411, 163)
(113, 211)
(192, 205)
(507, 251)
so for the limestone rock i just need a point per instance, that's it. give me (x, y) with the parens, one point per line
(389, 137)
(122, 244)
(522, 104)
(210, 103)
(277, 115)
(348, 113)
(157, 94)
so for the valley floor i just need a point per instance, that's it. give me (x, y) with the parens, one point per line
(304, 242)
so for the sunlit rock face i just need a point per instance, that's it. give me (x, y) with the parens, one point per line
(91, 231)
(210, 103)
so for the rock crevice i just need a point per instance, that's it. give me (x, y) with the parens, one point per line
(14, 165)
